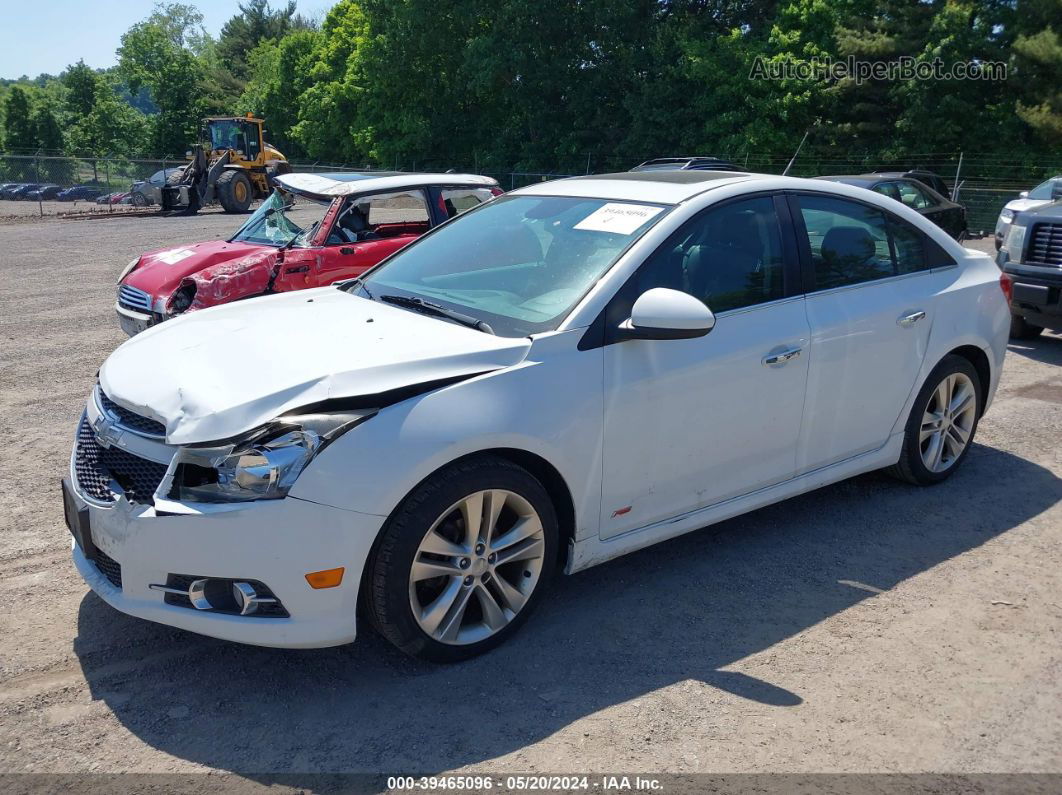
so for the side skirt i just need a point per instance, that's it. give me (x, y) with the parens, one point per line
(593, 550)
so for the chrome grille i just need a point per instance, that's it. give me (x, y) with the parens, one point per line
(128, 419)
(1045, 245)
(133, 298)
(95, 466)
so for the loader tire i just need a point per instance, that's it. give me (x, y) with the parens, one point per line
(234, 191)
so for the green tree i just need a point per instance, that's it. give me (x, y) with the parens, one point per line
(256, 22)
(330, 126)
(280, 74)
(161, 53)
(19, 132)
(46, 129)
(111, 128)
(80, 82)
(1038, 67)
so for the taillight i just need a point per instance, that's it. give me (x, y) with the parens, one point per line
(1006, 284)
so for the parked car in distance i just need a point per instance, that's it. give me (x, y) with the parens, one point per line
(6, 187)
(687, 163)
(79, 193)
(19, 193)
(1031, 254)
(43, 193)
(316, 230)
(120, 197)
(562, 375)
(934, 181)
(1044, 193)
(105, 198)
(149, 191)
(921, 198)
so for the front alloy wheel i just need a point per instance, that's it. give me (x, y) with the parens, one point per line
(476, 567)
(463, 560)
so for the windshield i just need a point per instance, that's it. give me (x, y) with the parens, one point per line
(282, 219)
(1043, 190)
(518, 263)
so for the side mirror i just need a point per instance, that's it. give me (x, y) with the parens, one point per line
(664, 314)
(1056, 192)
(1023, 195)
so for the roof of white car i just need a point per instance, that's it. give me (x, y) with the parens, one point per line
(665, 187)
(328, 185)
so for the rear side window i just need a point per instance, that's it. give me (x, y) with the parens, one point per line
(849, 241)
(909, 245)
(455, 201)
(912, 196)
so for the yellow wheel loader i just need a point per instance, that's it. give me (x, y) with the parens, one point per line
(232, 164)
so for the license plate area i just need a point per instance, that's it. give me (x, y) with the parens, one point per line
(77, 522)
(1031, 294)
(130, 325)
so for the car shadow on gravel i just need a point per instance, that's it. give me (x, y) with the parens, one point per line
(682, 610)
(1047, 348)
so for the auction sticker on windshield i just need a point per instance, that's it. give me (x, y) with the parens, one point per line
(622, 219)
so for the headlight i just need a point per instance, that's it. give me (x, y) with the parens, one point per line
(128, 269)
(1006, 216)
(262, 466)
(1014, 241)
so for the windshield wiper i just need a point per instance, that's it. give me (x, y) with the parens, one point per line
(428, 308)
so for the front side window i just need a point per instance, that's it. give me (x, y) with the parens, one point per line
(380, 216)
(1047, 190)
(849, 242)
(728, 257)
(519, 263)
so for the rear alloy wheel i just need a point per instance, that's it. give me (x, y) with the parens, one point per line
(140, 200)
(942, 423)
(234, 191)
(462, 562)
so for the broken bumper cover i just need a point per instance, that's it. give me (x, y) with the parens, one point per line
(276, 542)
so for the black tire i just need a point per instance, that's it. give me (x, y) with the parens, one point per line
(140, 200)
(1022, 329)
(911, 467)
(234, 191)
(387, 575)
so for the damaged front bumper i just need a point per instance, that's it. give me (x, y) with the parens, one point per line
(276, 543)
(142, 553)
(132, 323)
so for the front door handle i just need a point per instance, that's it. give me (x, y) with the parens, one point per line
(909, 320)
(781, 358)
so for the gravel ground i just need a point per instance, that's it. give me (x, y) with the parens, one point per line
(870, 626)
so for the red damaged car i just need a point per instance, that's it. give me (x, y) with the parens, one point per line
(315, 229)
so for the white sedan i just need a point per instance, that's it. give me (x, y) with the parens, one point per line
(568, 373)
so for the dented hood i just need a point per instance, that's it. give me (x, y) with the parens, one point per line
(161, 272)
(218, 373)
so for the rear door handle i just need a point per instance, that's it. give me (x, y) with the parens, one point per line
(909, 320)
(781, 358)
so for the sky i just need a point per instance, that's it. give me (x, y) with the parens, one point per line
(48, 35)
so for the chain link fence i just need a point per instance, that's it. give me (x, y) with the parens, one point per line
(985, 181)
